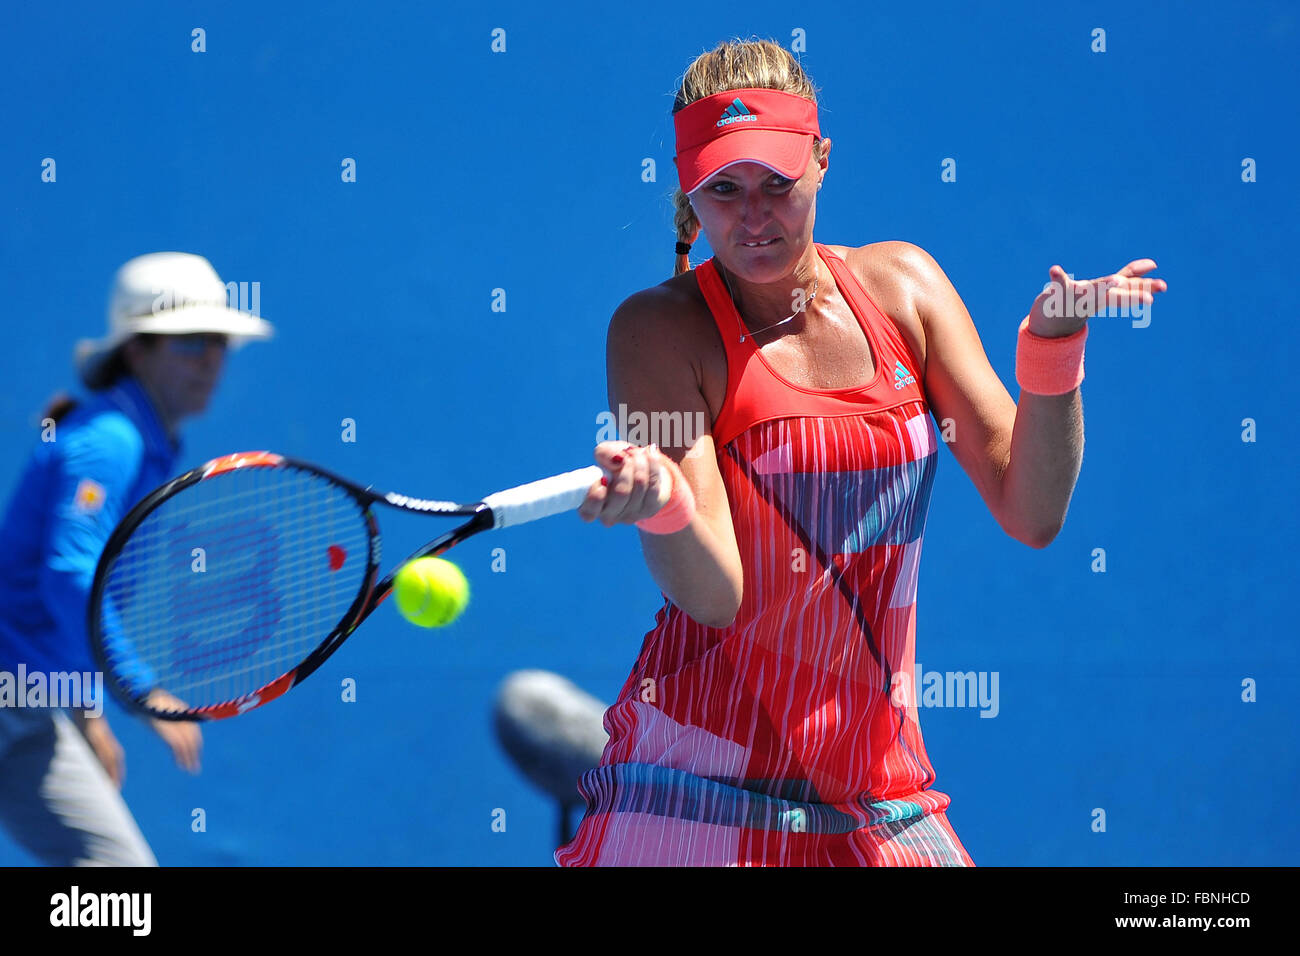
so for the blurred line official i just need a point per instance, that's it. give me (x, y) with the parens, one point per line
(169, 327)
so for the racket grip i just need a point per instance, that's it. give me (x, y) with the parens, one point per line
(540, 499)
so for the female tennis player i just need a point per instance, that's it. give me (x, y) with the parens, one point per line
(169, 328)
(769, 718)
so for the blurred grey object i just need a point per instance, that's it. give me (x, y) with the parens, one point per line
(554, 732)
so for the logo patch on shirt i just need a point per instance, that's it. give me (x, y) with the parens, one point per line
(89, 497)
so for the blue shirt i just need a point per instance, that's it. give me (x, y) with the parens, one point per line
(106, 455)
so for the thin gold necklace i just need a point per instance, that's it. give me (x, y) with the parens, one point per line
(789, 318)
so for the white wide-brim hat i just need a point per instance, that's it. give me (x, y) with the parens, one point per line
(166, 293)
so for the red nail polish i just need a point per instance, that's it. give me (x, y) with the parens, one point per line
(604, 481)
(617, 459)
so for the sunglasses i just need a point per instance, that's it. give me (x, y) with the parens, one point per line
(196, 346)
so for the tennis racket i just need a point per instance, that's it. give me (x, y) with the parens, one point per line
(231, 584)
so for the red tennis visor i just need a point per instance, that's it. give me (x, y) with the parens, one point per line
(760, 126)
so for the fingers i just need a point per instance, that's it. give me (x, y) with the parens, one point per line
(1129, 278)
(632, 490)
(1119, 296)
(609, 455)
(110, 754)
(627, 489)
(185, 741)
(112, 766)
(191, 747)
(1059, 285)
(115, 764)
(1120, 291)
(1056, 276)
(1086, 297)
(594, 501)
(1138, 267)
(1125, 277)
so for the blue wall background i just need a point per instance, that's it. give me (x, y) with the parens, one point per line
(522, 170)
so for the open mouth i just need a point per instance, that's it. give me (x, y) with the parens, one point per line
(759, 244)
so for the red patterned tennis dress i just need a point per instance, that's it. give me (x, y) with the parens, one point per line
(790, 737)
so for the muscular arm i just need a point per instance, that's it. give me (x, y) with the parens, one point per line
(1046, 456)
(651, 369)
(1024, 460)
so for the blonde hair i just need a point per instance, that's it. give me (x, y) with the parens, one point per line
(734, 65)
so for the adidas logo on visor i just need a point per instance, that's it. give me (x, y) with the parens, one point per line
(737, 112)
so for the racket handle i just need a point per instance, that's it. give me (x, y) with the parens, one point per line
(540, 499)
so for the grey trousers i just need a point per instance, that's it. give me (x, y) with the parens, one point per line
(56, 799)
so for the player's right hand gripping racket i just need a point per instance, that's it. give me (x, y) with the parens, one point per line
(229, 585)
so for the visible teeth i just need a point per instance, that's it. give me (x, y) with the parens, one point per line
(765, 242)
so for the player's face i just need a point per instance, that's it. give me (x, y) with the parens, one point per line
(758, 223)
(182, 371)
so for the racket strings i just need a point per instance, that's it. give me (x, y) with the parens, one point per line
(233, 582)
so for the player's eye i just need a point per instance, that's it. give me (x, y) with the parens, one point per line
(726, 187)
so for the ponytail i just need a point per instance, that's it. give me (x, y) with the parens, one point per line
(688, 228)
(113, 368)
(57, 408)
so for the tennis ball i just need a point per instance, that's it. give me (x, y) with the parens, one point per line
(431, 592)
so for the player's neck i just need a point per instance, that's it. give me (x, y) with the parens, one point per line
(763, 304)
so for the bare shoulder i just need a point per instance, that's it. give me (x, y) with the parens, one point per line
(664, 314)
(899, 276)
(669, 327)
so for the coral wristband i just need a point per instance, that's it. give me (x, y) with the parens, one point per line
(677, 513)
(1049, 366)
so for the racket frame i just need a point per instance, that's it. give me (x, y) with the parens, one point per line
(369, 596)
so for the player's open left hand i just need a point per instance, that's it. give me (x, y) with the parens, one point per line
(1065, 305)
